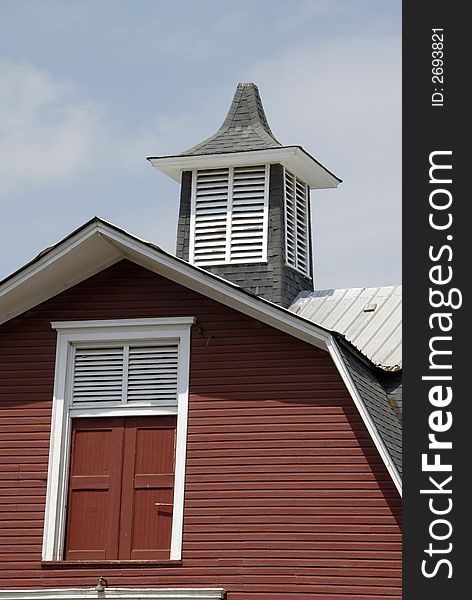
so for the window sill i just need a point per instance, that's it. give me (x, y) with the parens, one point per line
(87, 564)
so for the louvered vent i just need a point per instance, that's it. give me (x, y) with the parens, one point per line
(229, 215)
(152, 373)
(211, 216)
(248, 214)
(125, 374)
(98, 375)
(296, 223)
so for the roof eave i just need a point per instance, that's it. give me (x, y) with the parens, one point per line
(294, 158)
(99, 244)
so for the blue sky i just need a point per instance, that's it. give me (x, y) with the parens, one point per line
(89, 88)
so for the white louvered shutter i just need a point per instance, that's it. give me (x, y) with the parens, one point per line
(248, 214)
(152, 373)
(229, 215)
(296, 223)
(211, 216)
(126, 374)
(98, 375)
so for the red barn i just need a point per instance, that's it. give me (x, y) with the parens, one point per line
(194, 426)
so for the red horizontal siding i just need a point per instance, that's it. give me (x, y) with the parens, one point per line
(286, 495)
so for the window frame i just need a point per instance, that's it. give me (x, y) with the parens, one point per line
(229, 221)
(69, 334)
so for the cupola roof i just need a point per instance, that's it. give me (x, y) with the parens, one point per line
(245, 139)
(245, 126)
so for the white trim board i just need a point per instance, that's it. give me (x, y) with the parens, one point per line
(40, 280)
(122, 323)
(116, 593)
(74, 332)
(292, 157)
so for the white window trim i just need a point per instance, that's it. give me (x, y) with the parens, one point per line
(265, 226)
(119, 330)
(307, 228)
(116, 593)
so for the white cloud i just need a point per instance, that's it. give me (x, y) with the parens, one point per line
(49, 135)
(45, 133)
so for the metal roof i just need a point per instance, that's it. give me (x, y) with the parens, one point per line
(369, 318)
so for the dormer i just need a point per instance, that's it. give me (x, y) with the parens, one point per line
(245, 203)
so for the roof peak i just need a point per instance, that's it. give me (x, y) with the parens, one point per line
(244, 128)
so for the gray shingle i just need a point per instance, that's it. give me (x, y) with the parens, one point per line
(392, 384)
(371, 386)
(245, 126)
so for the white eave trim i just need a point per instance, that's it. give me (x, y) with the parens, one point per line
(361, 407)
(198, 280)
(293, 158)
(124, 323)
(195, 278)
(116, 593)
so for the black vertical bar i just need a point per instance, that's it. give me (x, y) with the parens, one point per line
(436, 256)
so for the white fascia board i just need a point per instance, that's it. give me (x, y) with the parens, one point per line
(294, 158)
(116, 594)
(49, 265)
(361, 407)
(49, 258)
(198, 280)
(120, 245)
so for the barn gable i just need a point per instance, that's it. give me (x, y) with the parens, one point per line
(281, 469)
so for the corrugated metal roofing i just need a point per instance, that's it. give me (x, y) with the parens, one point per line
(369, 318)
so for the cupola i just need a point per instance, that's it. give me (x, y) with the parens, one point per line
(245, 203)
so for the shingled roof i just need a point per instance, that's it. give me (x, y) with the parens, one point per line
(245, 126)
(374, 388)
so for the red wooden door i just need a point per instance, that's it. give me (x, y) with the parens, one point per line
(121, 488)
(148, 488)
(94, 489)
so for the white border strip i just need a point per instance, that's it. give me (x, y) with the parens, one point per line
(180, 446)
(198, 280)
(171, 321)
(294, 157)
(116, 593)
(361, 407)
(189, 276)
